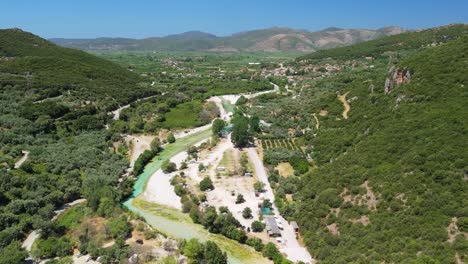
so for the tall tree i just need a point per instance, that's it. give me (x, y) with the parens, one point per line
(218, 126)
(240, 132)
(213, 254)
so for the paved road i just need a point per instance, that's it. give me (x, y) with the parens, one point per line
(290, 245)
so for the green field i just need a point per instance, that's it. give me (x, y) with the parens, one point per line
(184, 115)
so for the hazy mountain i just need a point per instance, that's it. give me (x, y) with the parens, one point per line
(274, 39)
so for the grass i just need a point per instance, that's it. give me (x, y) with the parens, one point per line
(185, 115)
(72, 218)
(228, 161)
(227, 105)
(285, 169)
(174, 223)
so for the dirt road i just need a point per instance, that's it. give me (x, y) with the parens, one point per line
(290, 246)
(345, 104)
(22, 160)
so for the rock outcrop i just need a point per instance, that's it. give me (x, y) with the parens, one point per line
(396, 76)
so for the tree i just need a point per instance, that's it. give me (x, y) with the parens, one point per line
(206, 184)
(259, 186)
(194, 251)
(270, 251)
(267, 203)
(213, 254)
(218, 125)
(13, 254)
(256, 243)
(247, 213)
(106, 207)
(240, 199)
(119, 228)
(171, 138)
(254, 124)
(155, 145)
(242, 100)
(167, 166)
(201, 167)
(240, 131)
(258, 226)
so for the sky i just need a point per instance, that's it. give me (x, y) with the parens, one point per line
(152, 18)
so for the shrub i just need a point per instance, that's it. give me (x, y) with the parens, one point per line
(258, 226)
(206, 184)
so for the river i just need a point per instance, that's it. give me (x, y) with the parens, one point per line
(173, 222)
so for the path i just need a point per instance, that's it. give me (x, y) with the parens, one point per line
(290, 246)
(22, 160)
(345, 104)
(34, 235)
(116, 113)
(139, 143)
(317, 121)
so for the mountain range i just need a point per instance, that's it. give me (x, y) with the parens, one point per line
(276, 39)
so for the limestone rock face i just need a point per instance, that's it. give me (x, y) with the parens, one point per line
(396, 76)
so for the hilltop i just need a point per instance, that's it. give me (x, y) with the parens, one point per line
(276, 39)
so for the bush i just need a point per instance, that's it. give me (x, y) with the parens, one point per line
(240, 199)
(119, 228)
(258, 226)
(247, 213)
(256, 243)
(171, 138)
(206, 184)
(167, 166)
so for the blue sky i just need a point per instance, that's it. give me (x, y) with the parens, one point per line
(139, 19)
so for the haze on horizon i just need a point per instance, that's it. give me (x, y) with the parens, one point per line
(140, 19)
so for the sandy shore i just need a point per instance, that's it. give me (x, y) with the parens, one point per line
(159, 189)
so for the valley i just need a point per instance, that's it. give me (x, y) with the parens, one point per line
(138, 152)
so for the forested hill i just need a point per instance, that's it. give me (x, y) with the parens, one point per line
(391, 183)
(407, 41)
(45, 70)
(53, 104)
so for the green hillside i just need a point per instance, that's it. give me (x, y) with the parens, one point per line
(70, 153)
(48, 70)
(388, 184)
(410, 148)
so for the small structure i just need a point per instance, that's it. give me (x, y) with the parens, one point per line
(272, 227)
(295, 226)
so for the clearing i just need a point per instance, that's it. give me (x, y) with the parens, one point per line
(285, 169)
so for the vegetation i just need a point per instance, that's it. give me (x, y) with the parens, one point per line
(394, 167)
(54, 103)
(206, 184)
(209, 253)
(218, 125)
(258, 226)
(247, 213)
(400, 42)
